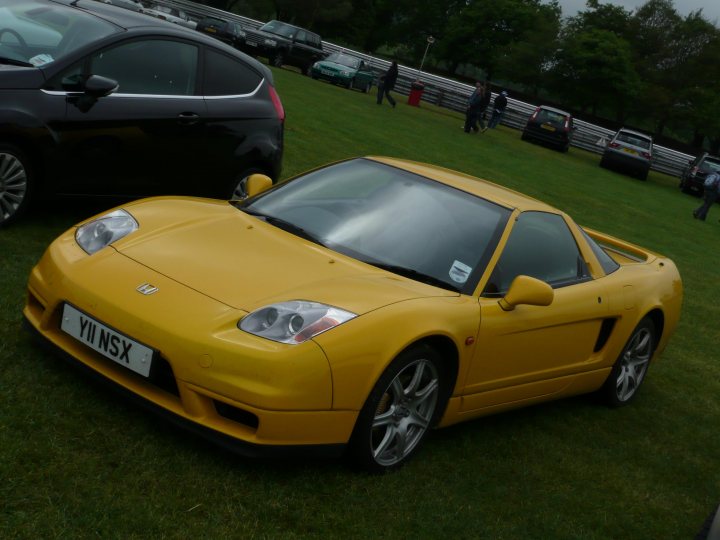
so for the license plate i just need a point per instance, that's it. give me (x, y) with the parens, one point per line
(548, 127)
(108, 342)
(630, 151)
(211, 30)
(327, 72)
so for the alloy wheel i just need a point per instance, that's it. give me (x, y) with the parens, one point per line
(634, 364)
(13, 185)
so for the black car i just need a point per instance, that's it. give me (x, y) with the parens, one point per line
(693, 177)
(227, 31)
(550, 126)
(98, 100)
(282, 43)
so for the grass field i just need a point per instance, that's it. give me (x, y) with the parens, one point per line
(76, 462)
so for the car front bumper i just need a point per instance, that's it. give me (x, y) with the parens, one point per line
(242, 391)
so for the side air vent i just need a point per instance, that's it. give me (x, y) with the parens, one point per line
(605, 330)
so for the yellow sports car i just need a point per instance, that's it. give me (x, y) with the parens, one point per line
(352, 308)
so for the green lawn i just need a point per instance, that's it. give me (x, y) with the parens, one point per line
(77, 462)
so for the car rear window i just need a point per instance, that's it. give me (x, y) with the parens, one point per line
(551, 117)
(710, 165)
(635, 140)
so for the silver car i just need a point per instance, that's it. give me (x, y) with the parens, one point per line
(629, 150)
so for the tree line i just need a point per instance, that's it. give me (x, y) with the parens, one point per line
(650, 67)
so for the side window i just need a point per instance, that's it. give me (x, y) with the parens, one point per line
(154, 66)
(540, 246)
(226, 76)
(301, 36)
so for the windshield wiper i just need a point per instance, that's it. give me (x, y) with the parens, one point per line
(284, 225)
(14, 62)
(414, 274)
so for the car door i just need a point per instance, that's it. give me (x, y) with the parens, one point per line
(300, 52)
(147, 137)
(531, 350)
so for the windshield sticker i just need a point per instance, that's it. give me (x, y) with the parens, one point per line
(460, 272)
(41, 60)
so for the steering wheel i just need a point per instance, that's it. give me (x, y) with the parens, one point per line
(15, 34)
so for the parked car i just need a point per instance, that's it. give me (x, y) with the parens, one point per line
(550, 126)
(693, 176)
(170, 14)
(282, 43)
(629, 150)
(90, 105)
(132, 5)
(417, 297)
(226, 31)
(344, 69)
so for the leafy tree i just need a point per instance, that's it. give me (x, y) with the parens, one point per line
(594, 69)
(479, 31)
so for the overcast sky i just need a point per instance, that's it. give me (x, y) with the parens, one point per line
(711, 8)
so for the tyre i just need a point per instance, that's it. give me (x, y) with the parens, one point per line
(643, 174)
(307, 70)
(278, 59)
(604, 162)
(565, 148)
(524, 136)
(16, 183)
(238, 189)
(631, 366)
(351, 84)
(404, 404)
(366, 88)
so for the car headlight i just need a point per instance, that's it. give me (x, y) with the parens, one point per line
(271, 42)
(103, 231)
(293, 322)
(345, 73)
(316, 65)
(241, 33)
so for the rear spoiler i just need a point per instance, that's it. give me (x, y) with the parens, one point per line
(620, 250)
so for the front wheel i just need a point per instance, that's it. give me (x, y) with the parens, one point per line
(278, 59)
(630, 368)
(403, 405)
(16, 183)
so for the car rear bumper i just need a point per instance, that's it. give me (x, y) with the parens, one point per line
(626, 161)
(556, 138)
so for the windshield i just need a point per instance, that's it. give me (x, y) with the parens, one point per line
(38, 33)
(551, 117)
(345, 60)
(635, 140)
(390, 218)
(279, 28)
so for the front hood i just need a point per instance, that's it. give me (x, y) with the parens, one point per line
(245, 263)
(335, 67)
(268, 35)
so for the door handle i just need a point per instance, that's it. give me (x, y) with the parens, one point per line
(188, 119)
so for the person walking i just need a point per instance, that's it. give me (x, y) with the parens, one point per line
(498, 109)
(472, 108)
(484, 103)
(710, 195)
(387, 83)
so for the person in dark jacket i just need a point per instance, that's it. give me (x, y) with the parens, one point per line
(473, 107)
(484, 103)
(498, 109)
(387, 83)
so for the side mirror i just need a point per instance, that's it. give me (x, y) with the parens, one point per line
(97, 86)
(257, 183)
(527, 290)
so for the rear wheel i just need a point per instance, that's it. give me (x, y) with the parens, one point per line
(604, 162)
(629, 370)
(403, 405)
(16, 183)
(643, 174)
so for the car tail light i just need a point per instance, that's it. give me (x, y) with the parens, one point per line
(646, 155)
(277, 104)
(534, 115)
(613, 145)
(567, 124)
(694, 170)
